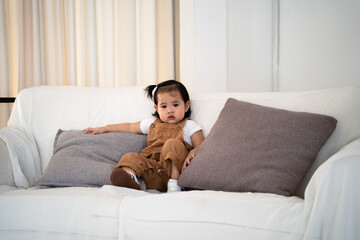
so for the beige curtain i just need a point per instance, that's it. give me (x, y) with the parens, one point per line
(105, 43)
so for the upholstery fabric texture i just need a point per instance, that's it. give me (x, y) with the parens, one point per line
(87, 160)
(253, 148)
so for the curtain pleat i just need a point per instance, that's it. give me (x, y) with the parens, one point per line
(9, 52)
(107, 43)
(165, 44)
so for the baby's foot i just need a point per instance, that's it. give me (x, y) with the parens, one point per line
(121, 178)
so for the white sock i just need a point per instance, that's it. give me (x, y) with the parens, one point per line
(172, 186)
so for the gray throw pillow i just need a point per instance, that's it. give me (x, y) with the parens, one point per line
(87, 160)
(253, 148)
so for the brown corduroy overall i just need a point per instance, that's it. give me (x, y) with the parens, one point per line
(165, 145)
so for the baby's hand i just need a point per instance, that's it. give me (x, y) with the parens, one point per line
(187, 161)
(94, 130)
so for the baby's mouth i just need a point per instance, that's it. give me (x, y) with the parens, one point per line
(171, 117)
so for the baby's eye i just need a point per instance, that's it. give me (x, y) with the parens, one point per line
(163, 106)
(176, 104)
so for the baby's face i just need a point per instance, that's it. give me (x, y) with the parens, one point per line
(171, 107)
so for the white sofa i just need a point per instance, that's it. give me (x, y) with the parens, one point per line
(327, 205)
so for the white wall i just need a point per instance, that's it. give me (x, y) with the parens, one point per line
(249, 28)
(203, 44)
(319, 43)
(231, 45)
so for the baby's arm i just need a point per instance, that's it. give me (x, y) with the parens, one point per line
(120, 127)
(196, 139)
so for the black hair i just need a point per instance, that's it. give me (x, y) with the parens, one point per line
(168, 86)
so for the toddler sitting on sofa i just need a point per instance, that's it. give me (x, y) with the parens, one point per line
(172, 141)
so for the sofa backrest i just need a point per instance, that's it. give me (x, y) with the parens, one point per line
(41, 111)
(341, 103)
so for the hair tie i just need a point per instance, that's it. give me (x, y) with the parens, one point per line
(154, 90)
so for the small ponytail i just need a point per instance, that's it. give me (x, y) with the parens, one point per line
(149, 92)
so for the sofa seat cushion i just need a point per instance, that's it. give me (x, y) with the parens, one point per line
(44, 213)
(213, 215)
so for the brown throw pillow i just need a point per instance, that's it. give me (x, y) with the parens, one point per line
(253, 148)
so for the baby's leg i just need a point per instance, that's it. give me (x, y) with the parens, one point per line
(173, 155)
(175, 173)
(126, 171)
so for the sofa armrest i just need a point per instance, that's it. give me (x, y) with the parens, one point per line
(6, 173)
(23, 154)
(333, 196)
